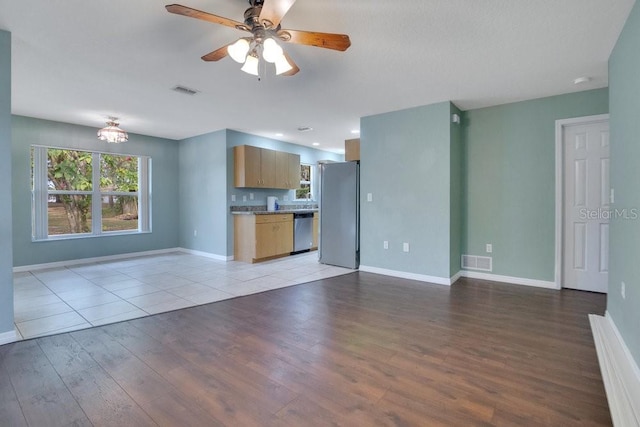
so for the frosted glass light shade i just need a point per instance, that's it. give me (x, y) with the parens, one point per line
(282, 65)
(251, 65)
(238, 50)
(271, 50)
(112, 133)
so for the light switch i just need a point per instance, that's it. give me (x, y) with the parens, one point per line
(385, 244)
(369, 197)
(489, 248)
(405, 247)
(233, 197)
(612, 197)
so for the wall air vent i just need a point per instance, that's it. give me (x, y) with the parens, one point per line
(473, 262)
(184, 90)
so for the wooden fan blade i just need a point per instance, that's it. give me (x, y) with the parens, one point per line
(293, 70)
(216, 55)
(205, 16)
(274, 10)
(326, 40)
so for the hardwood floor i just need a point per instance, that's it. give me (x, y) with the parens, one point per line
(359, 349)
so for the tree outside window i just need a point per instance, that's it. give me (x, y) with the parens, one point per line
(81, 192)
(304, 191)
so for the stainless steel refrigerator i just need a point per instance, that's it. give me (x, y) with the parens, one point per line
(340, 214)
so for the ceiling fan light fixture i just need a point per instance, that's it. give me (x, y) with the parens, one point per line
(251, 64)
(238, 50)
(112, 133)
(282, 65)
(271, 51)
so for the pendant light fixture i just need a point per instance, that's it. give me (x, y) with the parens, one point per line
(112, 133)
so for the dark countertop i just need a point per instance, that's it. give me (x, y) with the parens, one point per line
(283, 211)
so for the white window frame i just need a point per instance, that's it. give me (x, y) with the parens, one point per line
(312, 176)
(41, 192)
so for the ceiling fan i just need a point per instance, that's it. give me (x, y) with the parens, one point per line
(262, 20)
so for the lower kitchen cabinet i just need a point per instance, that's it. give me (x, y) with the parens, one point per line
(260, 237)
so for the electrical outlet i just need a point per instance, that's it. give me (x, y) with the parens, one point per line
(385, 244)
(195, 233)
(250, 196)
(233, 197)
(623, 290)
(489, 248)
(369, 197)
(244, 198)
(405, 247)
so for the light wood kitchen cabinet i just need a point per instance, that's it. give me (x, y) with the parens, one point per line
(351, 150)
(260, 237)
(254, 167)
(315, 230)
(294, 171)
(287, 170)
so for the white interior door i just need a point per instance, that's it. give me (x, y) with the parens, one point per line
(586, 206)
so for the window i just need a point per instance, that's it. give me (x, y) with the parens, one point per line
(83, 193)
(305, 191)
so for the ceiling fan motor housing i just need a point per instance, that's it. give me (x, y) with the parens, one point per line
(259, 29)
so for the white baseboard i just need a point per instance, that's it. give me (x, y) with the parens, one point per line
(9, 337)
(81, 261)
(509, 279)
(405, 275)
(207, 254)
(620, 373)
(456, 276)
(462, 273)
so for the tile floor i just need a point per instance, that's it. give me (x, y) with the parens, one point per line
(65, 299)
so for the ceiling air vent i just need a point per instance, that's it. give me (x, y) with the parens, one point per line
(184, 90)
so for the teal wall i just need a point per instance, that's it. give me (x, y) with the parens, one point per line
(510, 180)
(624, 92)
(307, 156)
(405, 164)
(164, 202)
(203, 193)
(6, 262)
(456, 177)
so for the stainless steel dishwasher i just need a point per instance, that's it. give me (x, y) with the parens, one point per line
(302, 231)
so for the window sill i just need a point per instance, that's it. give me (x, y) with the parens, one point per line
(88, 236)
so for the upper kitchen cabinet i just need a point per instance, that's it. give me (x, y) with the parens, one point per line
(256, 167)
(287, 170)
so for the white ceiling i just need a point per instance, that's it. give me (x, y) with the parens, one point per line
(79, 61)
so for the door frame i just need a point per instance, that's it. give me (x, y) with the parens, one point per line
(560, 125)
